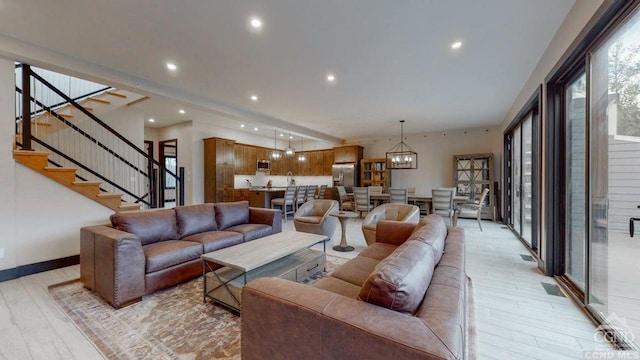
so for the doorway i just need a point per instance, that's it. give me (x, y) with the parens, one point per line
(168, 151)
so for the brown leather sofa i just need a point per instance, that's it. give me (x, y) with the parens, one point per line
(144, 251)
(403, 297)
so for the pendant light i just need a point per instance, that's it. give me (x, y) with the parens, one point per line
(402, 156)
(275, 155)
(301, 157)
(289, 151)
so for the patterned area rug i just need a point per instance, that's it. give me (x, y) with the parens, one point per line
(170, 324)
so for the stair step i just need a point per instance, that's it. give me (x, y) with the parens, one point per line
(129, 207)
(113, 93)
(39, 123)
(30, 153)
(99, 100)
(66, 116)
(87, 183)
(106, 195)
(60, 169)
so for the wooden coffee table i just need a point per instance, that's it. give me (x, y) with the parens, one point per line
(285, 255)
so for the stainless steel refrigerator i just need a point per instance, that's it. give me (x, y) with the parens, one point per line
(345, 175)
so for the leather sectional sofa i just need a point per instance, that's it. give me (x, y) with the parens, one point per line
(144, 251)
(403, 297)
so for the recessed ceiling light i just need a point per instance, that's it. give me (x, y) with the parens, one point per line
(331, 78)
(290, 136)
(152, 120)
(181, 111)
(172, 67)
(254, 97)
(456, 45)
(241, 125)
(256, 22)
(255, 129)
(281, 134)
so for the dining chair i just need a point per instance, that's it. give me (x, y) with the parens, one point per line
(375, 189)
(346, 201)
(287, 200)
(452, 188)
(398, 196)
(301, 196)
(474, 209)
(362, 200)
(422, 205)
(322, 192)
(311, 192)
(442, 204)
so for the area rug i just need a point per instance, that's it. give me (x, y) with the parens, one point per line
(170, 324)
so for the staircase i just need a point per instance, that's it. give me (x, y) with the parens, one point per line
(62, 138)
(39, 161)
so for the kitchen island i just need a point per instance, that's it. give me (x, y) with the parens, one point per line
(261, 197)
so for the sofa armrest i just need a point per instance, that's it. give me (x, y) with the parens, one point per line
(393, 232)
(112, 264)
(271, 217)
(287, 320)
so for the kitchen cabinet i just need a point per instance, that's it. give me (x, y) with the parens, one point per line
(241, 195)
(218, 170)
(348, 154)
(374, 172)
(329, 159)
(239, 166)
(316, 159)
(262, 197)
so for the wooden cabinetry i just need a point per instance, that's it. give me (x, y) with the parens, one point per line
(328, 162)
(218, 169)
(374, 172)
(241, 195)
(473, 173)
(348, 154)
(317, 162)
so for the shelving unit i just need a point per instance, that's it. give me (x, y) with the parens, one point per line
(374, 172)
(473, 173)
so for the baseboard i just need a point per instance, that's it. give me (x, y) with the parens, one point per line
(30, 269)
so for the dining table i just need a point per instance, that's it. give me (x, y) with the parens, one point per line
(416, 198)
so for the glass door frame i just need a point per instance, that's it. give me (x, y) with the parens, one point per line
(533, 107)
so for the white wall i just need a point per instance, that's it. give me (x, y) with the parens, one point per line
(435, 155)
(40, 219)
(7, 175)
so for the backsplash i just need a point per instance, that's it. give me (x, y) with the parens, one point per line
(261, 179)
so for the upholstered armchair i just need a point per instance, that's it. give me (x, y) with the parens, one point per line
(313, 217)
(398, 212)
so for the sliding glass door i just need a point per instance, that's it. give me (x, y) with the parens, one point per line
(520, 165)
(614, 181)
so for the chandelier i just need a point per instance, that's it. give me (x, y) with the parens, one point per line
(275, 154)
(402, 156)
(289, 151)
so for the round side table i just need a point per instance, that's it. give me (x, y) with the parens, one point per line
(343, 216)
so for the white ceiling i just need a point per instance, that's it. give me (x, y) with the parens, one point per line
(392, 59)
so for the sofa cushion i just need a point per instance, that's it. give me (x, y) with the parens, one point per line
(378, 251)
(338, 286)
(193, 219)
(164, 254)
(356, 270)
(149, 226)
(215, 240)
(231, 214)
(433, 231)
(400, 281)
(309, 219)
(252, 231)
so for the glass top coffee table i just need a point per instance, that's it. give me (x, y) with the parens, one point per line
(285, 255)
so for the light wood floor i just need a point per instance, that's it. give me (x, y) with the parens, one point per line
(517, 319)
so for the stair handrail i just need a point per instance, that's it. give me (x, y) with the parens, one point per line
(27, 72)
